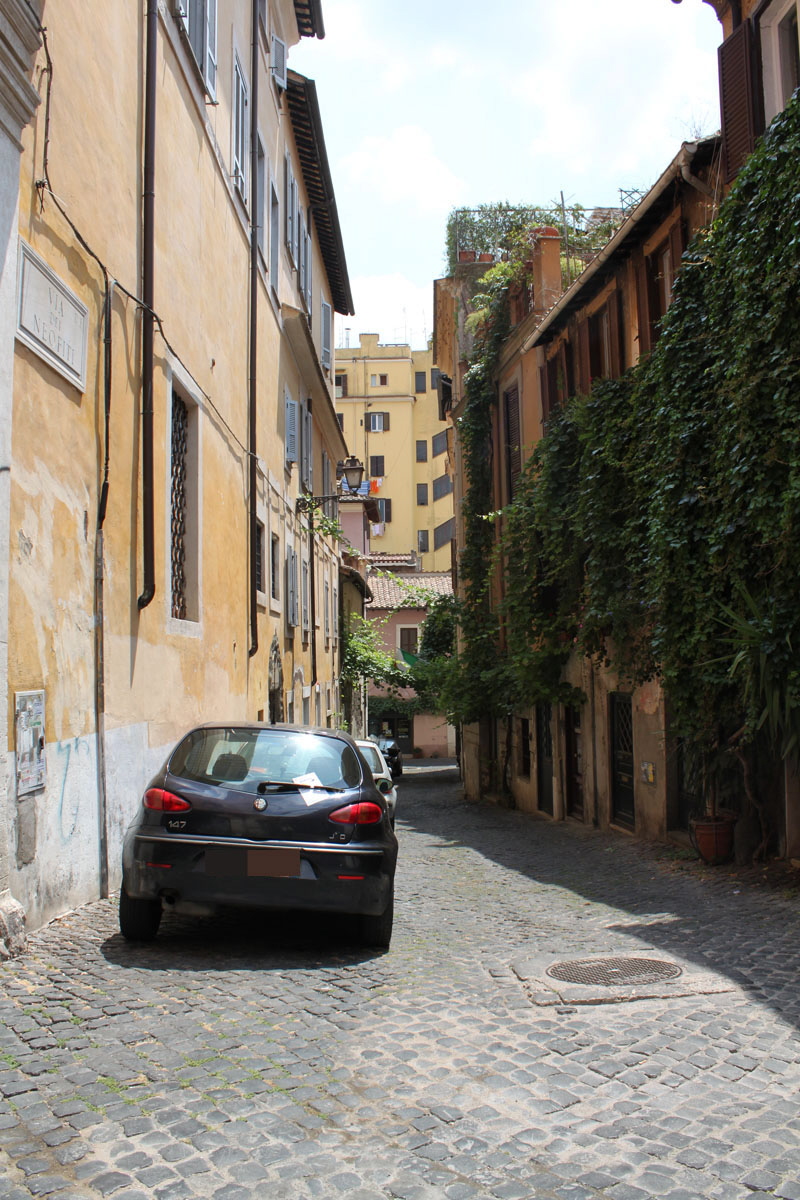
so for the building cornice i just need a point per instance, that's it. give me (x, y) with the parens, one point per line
(19, 42)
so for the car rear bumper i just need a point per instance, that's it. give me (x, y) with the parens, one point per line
(215, 872)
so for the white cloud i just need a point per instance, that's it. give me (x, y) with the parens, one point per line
(402, 168)
(392, 306)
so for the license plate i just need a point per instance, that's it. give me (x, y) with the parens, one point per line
(259, 861)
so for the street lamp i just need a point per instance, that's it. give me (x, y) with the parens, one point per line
(351, 472)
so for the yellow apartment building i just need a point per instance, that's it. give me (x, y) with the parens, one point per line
(172, 261)
(388, 408)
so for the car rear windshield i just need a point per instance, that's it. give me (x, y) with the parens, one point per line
(243, 758)
(374, 761)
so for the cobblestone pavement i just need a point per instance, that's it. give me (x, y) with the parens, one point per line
(234, 1059)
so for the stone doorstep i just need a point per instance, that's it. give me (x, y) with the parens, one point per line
(544, 990)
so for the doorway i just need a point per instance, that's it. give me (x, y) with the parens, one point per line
(622, 759)
(544, 757)
(574, 750)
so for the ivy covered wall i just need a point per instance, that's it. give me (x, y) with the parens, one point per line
(658, 521)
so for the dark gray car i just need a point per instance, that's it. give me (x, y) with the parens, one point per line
(261, 816)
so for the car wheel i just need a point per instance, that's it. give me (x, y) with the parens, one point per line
(138, 919)
(377, 931)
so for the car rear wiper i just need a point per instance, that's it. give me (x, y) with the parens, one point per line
(292, 783)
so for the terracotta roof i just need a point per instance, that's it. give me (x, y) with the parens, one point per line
(388, 592)
(392, 562)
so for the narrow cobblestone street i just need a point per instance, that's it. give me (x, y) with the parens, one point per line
(235, 1059)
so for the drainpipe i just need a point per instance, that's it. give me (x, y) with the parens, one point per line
(99, 624)
(694, 180)
(253, 388)
(312, 587)
(148, 322)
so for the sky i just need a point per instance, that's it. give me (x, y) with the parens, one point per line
(430, 105)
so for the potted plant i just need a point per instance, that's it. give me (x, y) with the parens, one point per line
(712, 833)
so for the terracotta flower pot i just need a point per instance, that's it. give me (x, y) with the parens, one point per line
(712, 838)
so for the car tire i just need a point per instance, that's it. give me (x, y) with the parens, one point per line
(138, 919)
(377, 931)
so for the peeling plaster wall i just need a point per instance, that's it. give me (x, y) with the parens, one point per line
(18, 42)
(55, 832)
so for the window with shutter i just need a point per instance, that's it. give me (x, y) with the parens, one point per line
(307, 450)
(544, 393)
(292, 430)
(304, 600)
(239, 134)
(409, 638)
(512, 432)
(261, 198)
(198, 20)
(303, 257)
(274, 567)
(377, 466)
(740, 124)
(274, 235)
(584, 365)
(309, 259)
(326, 332)
(289, 204)
(291, 588)
(278, 62)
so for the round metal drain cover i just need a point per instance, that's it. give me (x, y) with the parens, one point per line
(613, 972)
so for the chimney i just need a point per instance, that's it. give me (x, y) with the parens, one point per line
(546, 257)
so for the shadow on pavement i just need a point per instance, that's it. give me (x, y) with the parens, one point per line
(243, 940)
(717, 918)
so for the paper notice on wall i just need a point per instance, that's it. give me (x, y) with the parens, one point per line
(29, 741)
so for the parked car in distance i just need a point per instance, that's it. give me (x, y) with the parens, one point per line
(261, 817)
(391, 752)
(380, 770)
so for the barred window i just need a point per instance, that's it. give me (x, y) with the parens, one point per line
(184, 599)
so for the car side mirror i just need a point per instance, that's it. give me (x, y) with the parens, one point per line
(384, 786)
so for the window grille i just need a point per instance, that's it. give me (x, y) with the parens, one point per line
(180, 444)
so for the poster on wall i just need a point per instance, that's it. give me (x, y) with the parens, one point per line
(29, 741)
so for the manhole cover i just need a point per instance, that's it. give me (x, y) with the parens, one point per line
(613, 972)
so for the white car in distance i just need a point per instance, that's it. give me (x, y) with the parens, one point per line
(380, 770)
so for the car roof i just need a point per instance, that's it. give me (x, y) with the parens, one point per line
(320, 731)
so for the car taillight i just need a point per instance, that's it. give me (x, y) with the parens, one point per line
(362, 813)
(161, 801)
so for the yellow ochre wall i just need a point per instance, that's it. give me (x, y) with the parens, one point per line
(159, 675)
(414, 416)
